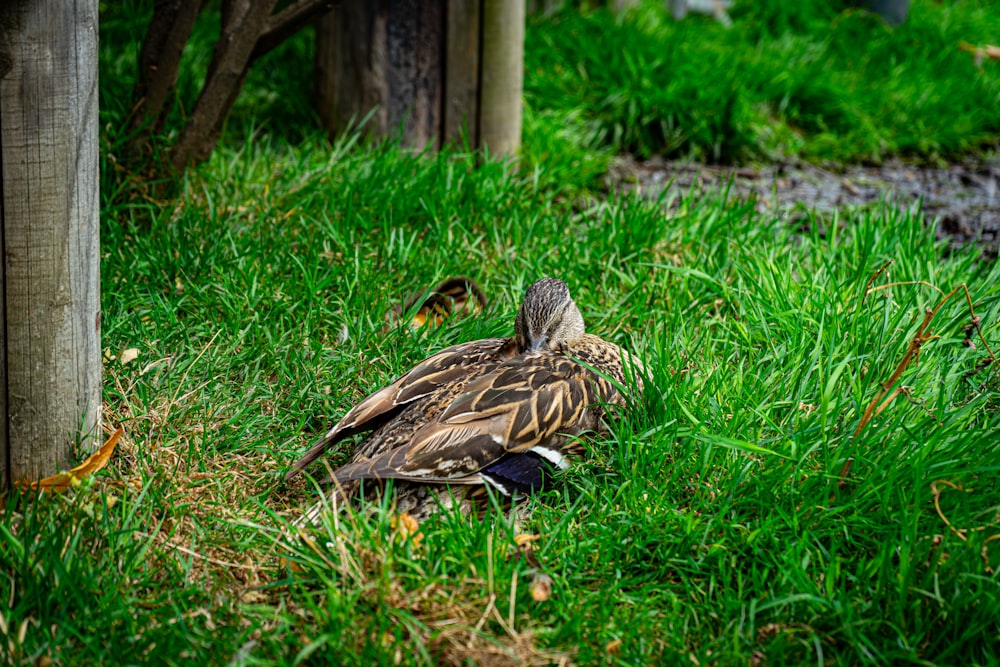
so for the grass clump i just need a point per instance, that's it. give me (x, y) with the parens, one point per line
(819, 81)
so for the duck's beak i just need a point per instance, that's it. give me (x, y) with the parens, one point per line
(537, 343)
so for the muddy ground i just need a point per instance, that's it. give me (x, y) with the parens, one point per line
(962, 200)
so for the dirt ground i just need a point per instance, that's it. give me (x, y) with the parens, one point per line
(963, 200)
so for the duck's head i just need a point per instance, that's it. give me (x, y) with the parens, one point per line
(548, 318)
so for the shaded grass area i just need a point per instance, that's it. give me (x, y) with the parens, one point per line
(785, 80)
(708, 526)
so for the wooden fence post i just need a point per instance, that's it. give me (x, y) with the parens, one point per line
(50, 359)
(503, 76)
(434, 69)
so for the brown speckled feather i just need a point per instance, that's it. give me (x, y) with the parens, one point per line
(543, 399)
(416, 396)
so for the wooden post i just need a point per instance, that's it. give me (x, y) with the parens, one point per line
(435, 69)
(545, 7)
(384, 56)
(619, 6)
(50, 360)
(503, 75)
(461, 72)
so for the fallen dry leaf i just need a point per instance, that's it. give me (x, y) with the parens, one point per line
(94, 462)
(124, 356)
(523, 539)
(407, 527)
(989, 51)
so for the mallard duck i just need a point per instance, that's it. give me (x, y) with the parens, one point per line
(502, 412)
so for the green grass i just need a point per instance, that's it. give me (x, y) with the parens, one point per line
(784, 81)
(710, 527)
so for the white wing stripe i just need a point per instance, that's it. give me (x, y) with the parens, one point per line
(553, 456)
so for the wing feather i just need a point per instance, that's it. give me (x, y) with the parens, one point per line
(423, 380)
(537, 400)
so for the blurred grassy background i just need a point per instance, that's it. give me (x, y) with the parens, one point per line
(819, 81)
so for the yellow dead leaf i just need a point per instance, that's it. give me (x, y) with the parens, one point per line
(94, 462)
(990, 51)
(407, 526)
(523, 539)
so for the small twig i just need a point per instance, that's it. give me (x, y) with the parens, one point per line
(905, 391)
(978, 368)
(959, 532)
(285, 23)
(912, 355)
(875, 275)
(962, 533)
(888, 400)
(904, 283)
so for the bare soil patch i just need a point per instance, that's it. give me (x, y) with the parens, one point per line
(961, 200)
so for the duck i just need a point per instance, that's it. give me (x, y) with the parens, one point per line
(500, 413)
(452, 297)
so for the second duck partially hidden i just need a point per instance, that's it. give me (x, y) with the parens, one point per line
(503, 412)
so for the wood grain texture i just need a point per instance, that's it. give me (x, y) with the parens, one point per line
(350, 65)
(426, 115)
(461, 71)
(432, 69)
(159, 63)
(502, 76)
(383, 61)
(48, 129)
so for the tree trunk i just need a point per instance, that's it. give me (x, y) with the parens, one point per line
(248, 31)
(50, 360)
(435, 70)
(382, 59)
(242, 23)
(159, 63)
(461, 106)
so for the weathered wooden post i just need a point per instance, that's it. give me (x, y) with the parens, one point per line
(619, 6)
(502, 82)
(50, 361)
(434, 68)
